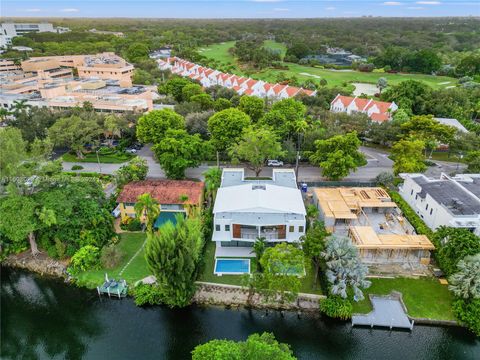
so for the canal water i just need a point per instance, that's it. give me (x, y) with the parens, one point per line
(46, 319)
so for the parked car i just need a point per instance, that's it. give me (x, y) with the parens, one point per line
(137, 145)
(274, 163)
(131, 151)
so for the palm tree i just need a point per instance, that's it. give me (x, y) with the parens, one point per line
(20, 107)
(213, 180)
(466, 282)
(3, 114)
(344, 269)
(149, 208)
(259, 248)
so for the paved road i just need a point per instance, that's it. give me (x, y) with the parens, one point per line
(377, 162)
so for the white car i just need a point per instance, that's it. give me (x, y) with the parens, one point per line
(274, 163)
(131, 151)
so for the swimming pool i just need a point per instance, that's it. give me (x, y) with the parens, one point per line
(232, 266)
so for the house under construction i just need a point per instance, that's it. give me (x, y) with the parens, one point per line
(374, 223)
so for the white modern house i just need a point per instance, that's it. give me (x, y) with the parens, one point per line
(245, 210)
(449, 201)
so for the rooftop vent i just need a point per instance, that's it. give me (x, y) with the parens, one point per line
(259, 187)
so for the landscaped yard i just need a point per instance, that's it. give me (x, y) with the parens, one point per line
(220, 53)
(424, 298)
(208, 275)
(104, 159)
(129, 244)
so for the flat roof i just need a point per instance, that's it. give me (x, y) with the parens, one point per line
(365, 237)
(452, 195)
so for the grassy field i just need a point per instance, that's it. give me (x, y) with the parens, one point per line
(129, 244)
(334, 78)
(104, 159)
(208, 275)
(424, 298)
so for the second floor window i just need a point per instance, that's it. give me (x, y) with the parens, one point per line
(300, 229)
(291, 228)
(217, 227)
(227, 227)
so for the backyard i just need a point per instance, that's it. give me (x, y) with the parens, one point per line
(207, 274)
(424, 297)
(129, 244)
(336, 78)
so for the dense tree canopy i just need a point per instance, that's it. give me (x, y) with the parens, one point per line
(152, 126)
(338, 155)
(226, 127)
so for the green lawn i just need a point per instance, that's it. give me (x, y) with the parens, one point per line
(220, 53)
(270, 44)
(424, 298)
(104, 159)
(129, 244)
(208, 275)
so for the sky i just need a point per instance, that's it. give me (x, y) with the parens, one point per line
(236, 8)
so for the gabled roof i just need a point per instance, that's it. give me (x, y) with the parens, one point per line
(164, 191)
(292, 91)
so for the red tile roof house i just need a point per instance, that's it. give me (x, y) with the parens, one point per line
(168, 193)
(378, 111)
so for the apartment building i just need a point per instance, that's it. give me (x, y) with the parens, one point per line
(447, 201)
(104, 80)
(10, 30)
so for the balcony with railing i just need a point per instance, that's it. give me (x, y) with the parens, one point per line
(248, 232)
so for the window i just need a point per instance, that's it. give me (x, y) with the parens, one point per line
(426, 207)
(416, 197)
(431, 211)
(411, 192)
(300, 229)
(227, 227)
(291, 228)
(217, 227)
(129, 204)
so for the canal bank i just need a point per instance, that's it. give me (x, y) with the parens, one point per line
(43, 318)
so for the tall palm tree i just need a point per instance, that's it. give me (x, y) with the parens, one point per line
(149, 208)
(213, 179)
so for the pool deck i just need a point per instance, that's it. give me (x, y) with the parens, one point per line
(388, 311)
(236, 252)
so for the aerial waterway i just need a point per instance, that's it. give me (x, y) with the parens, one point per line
(43, 318)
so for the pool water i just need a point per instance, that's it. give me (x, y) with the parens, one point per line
(166, 216)
(232, 266)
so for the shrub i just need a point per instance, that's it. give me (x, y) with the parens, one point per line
(84, 259)
(77, 167)
(134, 225)
(148, 295)
(105, 151)
(111, 256)
(468, 312)
(60, 248)
(336, 307)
